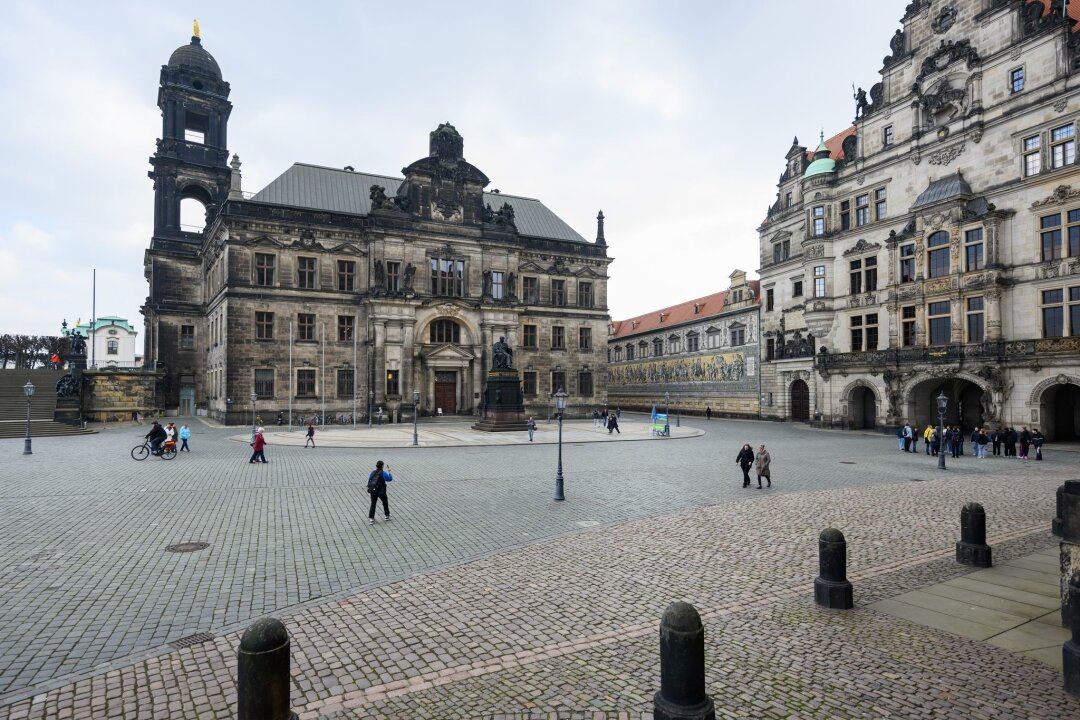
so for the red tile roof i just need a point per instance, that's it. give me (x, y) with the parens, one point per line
(835, 145)
(1054, 6)
(677, 314)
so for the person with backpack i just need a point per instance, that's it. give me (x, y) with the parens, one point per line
(376, 487)
(745, 460)
(955, 438)
(531, 425)
(310, 435)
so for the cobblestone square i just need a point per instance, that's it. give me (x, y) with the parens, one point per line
(484, 597)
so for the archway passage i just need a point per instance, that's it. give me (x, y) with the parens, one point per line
(863, 408)
(800, 400)
(1060, 413)
(964, 407)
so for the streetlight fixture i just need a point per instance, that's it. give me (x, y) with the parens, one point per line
(678, 411)
(370, 402)
(415, 412)
(942, 403)
(254, 397)
(560, 404)
(28, 388)
(667, 410)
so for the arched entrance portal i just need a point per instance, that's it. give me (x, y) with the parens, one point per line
(964, 409)
(800, 400)
(1060, 412)
(863, 409)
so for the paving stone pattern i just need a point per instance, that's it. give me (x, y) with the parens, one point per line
(546, 616)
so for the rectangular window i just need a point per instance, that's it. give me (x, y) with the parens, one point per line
(940, 322)
(558, 292)
(1074, 232)
(975, 329)
(264, 269)
(770, 348)
(392, 386)
(819, 220)
(887, 136)
(346, 325)
(305, 273)
(871, 324)
(1053, 313)
(738, 336)
(856, 333)
(584, 380)
(345, 382)
(973, 250)
(584, 295)
(769, 300)
(305, 383)
(862, 209)
(855, 277)
(796, 288)
(264, 383)
(907, 326)
(692, 343)
(787, 200)
(658, 347)
(907, 263)
(393, 277)
(264, 326)
(1050, 234)
(870, 264)
(1032, 156)
(305, 326)
(1016, 79)
(558, 381)
(346, 275)
(528, 337)
(530, 290)
(845, 214)
(113, 347)
(1062, 146)
(187, 337)
(498, 285)
(938, 255)
(584, 336)
(819, 281)
(1074, 311)
(673, 345)
(558, 337)
(880, 204)
(629, 352)
(529, 382)
(447, 277)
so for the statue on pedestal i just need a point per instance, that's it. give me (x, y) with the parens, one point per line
(502, 357)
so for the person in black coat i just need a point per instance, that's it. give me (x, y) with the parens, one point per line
(1010, 442)
(745, 460)
(1037, 440)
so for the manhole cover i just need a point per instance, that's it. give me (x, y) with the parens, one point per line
(847, 462)
(189, 640)
(187, 547)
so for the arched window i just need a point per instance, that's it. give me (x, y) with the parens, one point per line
(445, 331)
(114, 347)
(192, 215)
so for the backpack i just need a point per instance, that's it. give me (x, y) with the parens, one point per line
(375, 482)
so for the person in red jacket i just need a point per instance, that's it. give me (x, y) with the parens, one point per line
(257, 445)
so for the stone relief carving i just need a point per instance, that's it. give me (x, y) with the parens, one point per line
(938, 286)
(1061, 194)
(1050, 270)
(815, 251)
(1061, 104)
(862, 246)
(946, 155)
(945, 20)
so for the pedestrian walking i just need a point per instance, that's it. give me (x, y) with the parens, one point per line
(185, 433)
(258, 447)
(708, 413)
(1025, 442)
(907, 437)
(955, 436)
(981, 442)
(376, 487)
(595, 417)
(1037, 439)
(745, 460)
(761, 464)
(531, 427)
(618, 413)
(935, 442)
(915, 438)
(900, 437)
(613, 424)
(310, 435)
(926, 437)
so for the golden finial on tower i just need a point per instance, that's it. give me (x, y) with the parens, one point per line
(196, 22)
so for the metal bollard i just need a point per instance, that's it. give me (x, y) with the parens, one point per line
(831, 587)
(1070, 651)
(1055, 525)
(972, 549)
(682, 667)
(262, 673)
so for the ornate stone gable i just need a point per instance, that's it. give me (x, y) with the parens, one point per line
(862, 246)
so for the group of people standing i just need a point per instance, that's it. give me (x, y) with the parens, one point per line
(746, 459)
(951, 440)
(607, 419)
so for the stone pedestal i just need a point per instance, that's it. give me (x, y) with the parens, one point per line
(503, 406)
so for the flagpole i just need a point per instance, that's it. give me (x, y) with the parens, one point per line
(93, 322)
(322, 375)
(290, 374)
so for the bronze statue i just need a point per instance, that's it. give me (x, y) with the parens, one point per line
(502, 357)
(410, 270)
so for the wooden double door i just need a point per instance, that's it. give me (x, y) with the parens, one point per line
(446, 391)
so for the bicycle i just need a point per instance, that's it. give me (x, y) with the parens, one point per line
(141, 452)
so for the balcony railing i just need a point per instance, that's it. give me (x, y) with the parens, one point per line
(999, 349)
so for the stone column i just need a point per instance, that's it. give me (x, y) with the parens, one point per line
(956, 314)
(380, 364)
(992, 310)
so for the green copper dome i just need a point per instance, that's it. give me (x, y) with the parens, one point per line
(822, 162)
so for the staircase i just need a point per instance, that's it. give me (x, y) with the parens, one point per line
(13, 404)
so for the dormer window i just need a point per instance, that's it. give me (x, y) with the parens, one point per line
(661, 317)
(697, 308)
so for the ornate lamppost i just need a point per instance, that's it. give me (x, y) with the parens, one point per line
(560, 404)
(28, 388)
(942, 403)
(415, 412)
(254, 397)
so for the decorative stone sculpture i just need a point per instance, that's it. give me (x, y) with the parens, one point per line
(502, 357)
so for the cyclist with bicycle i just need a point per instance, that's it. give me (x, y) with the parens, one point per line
(156, 436)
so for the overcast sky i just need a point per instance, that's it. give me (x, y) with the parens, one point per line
(672, 117)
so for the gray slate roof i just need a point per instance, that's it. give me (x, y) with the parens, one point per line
(951, 186)
(321, 188)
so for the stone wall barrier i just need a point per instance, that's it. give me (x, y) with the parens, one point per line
(972, 549)
(1070, 651)
(1070, 544)
(831, 587)
(262, 673)
(682, 667)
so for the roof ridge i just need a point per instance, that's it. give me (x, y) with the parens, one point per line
(676, 305)
(400, 179)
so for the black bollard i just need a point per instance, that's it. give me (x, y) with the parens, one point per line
(1070, 544)
(682, 667)
(1055, 525)
(262, 673)
(1070, 651)
(831, 587)
(972, 549)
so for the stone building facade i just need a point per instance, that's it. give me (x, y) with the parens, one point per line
(934, 246)
(330, 284)
(702, 353)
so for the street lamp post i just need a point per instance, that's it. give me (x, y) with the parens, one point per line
(370, 402)
(942, 403)
(254, 397)
(667, 410)
(28, 388)
(560, 404)
(678, 412)
(415, 412)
